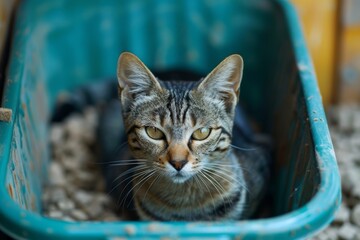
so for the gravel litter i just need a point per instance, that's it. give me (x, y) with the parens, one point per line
(76, 191)
(344, 123)
(76, 188)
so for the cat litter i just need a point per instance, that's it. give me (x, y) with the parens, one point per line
(5, 114)
(345, 133)
(73, 194)
(76, 190)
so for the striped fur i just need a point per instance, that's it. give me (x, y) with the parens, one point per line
(212, 184)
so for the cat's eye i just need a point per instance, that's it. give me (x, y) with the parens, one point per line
(201, 133)
(154, 133)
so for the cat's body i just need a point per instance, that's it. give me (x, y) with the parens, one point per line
(235, 179)
(180, 135)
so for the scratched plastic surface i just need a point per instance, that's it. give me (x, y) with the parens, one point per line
(60, 45)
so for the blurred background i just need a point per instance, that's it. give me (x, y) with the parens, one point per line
(332, 31)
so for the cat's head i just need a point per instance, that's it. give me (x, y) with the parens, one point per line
(179, 128)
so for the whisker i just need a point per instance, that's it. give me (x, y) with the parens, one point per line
(208, 173)
(129, 171)
(219, 185)
(142, 182)
(211, 171)
(198, 183)
(117, 149)
(220, 164)
(242, 149)
(206, 186)
(219, 169)
(225, 174)
(221, 177)
(157, 177)
(124, 164)
(118, 184)
(213, 181)
(217, 166)
(132, 160)
(137, 175)
(123, 161)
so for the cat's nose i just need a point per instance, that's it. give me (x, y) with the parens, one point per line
(178, 164)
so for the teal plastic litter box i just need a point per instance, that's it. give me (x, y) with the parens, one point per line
(60, 45)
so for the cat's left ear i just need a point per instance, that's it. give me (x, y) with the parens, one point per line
(223, 82)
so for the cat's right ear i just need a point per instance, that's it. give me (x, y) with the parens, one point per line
(135, 79)
(223, 83)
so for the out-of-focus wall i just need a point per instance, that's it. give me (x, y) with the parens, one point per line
(349, 85)
(6, 7)
(332, 31)
(319, 20)
(334, 44)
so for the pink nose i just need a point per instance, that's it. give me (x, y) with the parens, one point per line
(178, 164)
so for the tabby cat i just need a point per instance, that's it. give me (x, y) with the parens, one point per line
(180, 134)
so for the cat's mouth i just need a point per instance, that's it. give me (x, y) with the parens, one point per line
(180, 177)
(179, 174)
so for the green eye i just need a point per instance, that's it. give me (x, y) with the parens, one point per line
(154, 133)
(201, 133)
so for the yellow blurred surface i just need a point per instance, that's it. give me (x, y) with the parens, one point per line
(350, 66)
(319, 24)
(349, 86)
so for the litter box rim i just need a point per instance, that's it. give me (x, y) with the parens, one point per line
(310, 218)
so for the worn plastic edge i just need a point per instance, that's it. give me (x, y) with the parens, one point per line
(325, 154)
(290, 225)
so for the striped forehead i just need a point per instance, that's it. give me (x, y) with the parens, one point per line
(175, 110)
(177, 104)
(177, 107)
